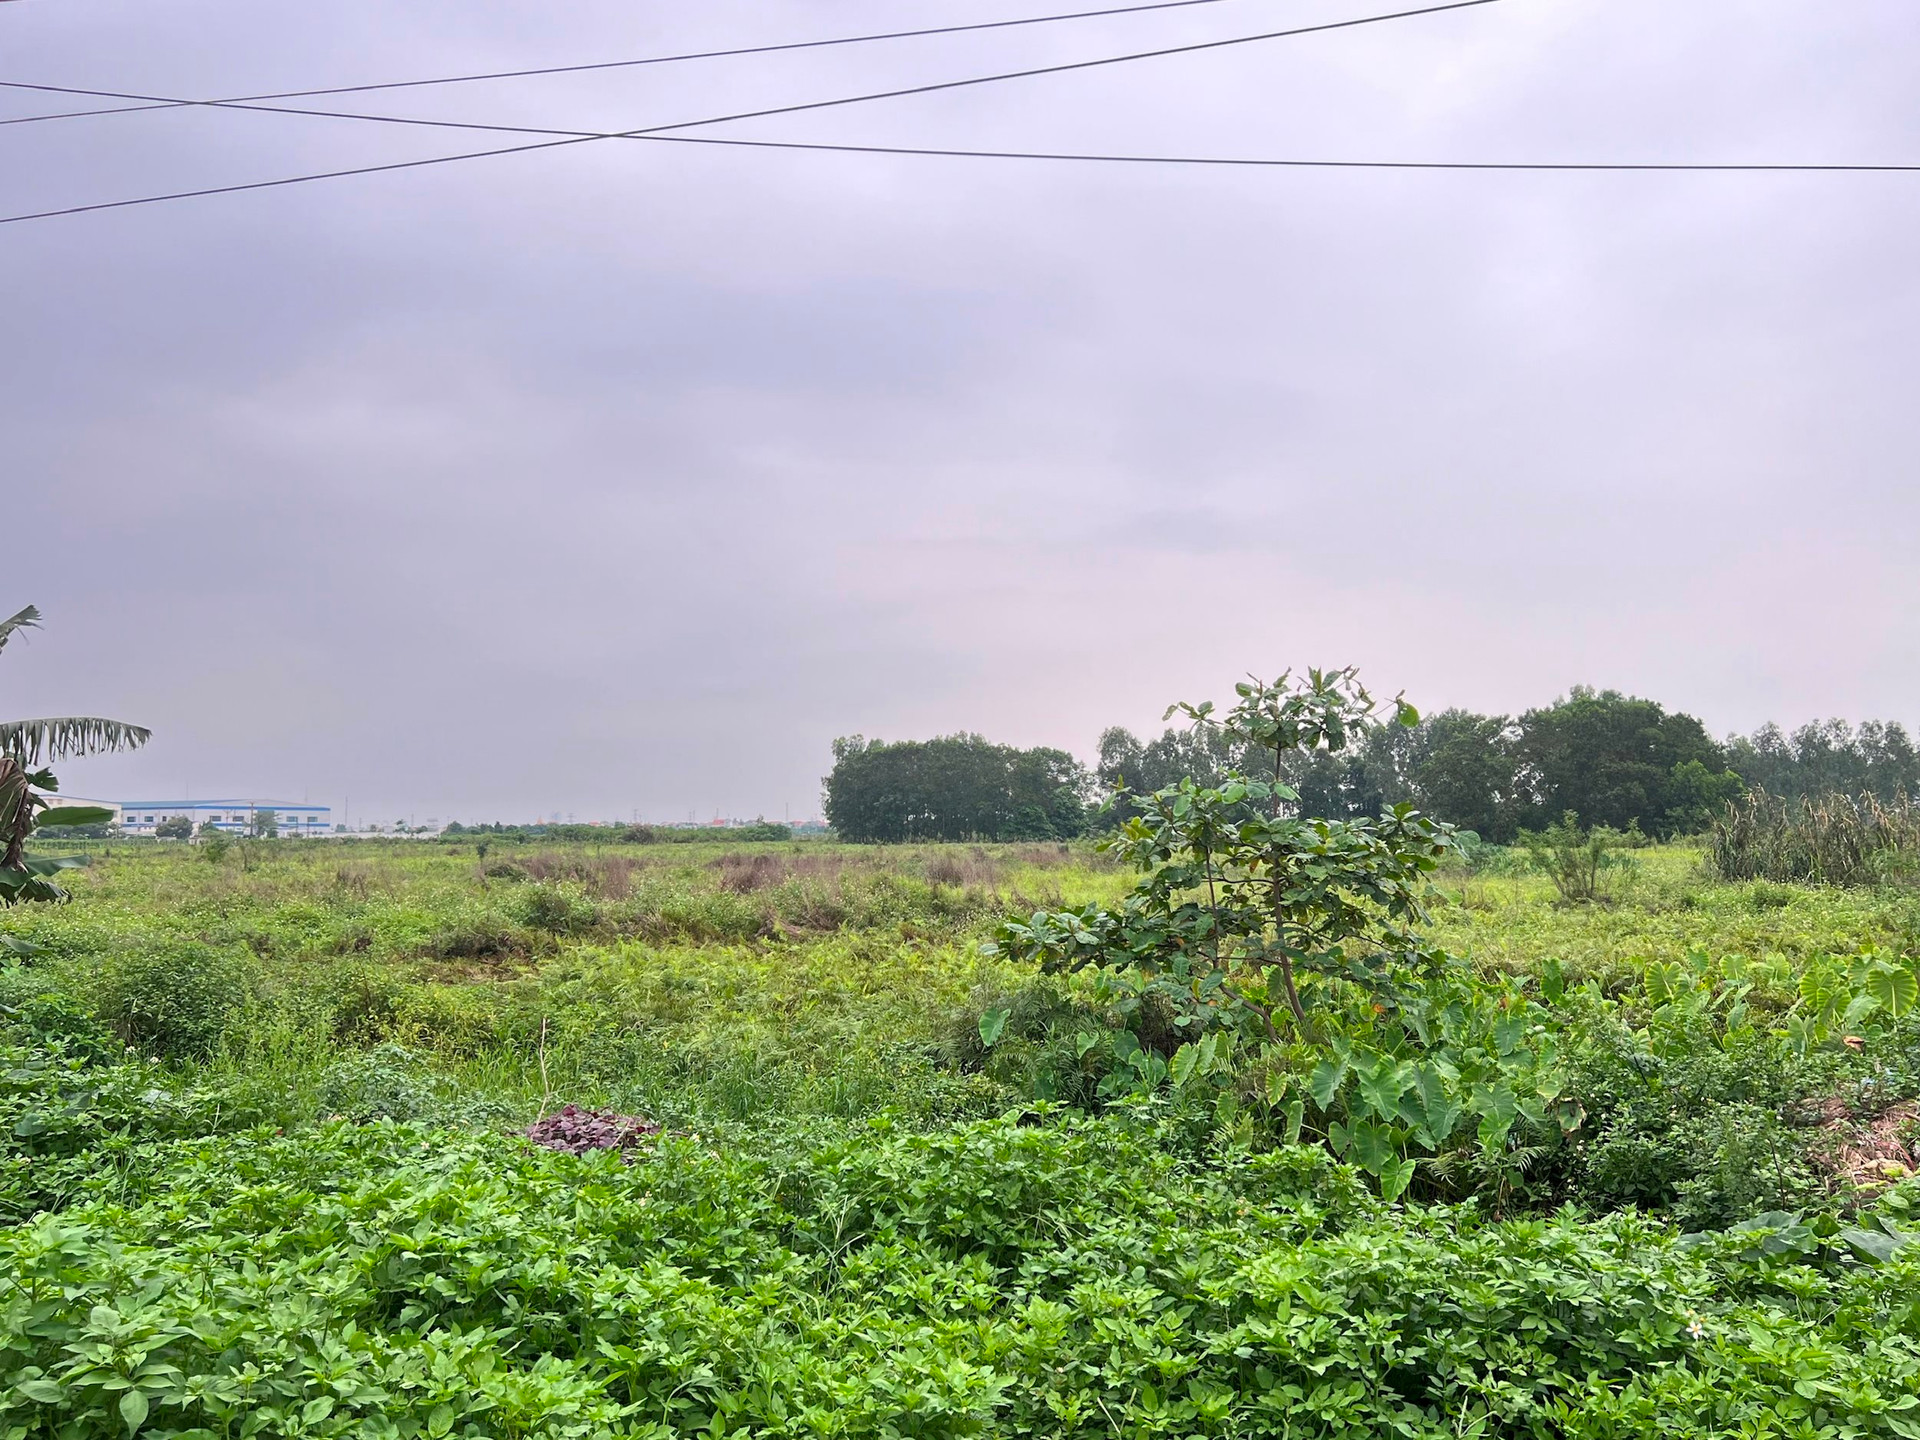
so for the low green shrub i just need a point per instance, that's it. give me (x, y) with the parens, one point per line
(176, 1000)
(392, 1082)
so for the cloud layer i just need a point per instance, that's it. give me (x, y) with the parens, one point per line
(622, 478)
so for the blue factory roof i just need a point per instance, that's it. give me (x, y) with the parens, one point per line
(178, 805)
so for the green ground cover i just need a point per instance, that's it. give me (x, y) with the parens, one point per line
(262, 1169)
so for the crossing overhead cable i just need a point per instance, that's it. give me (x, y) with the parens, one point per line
(735, 52)
(588, 137)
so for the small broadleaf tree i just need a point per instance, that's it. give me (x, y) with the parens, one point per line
(27, 750)
(1249, 907)
(1301, 933)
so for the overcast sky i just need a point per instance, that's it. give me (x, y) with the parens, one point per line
(623, 477)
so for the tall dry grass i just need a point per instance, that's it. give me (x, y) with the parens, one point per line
(1831, 840)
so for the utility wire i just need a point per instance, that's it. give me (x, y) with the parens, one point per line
(598, 65)
(564, 136)
(587, 137)
(1695, 167)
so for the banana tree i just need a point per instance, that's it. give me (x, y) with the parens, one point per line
(27, 749)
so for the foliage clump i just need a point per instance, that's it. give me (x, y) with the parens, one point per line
(1829, 840)
(954, 787)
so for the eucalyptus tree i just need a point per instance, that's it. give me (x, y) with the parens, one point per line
(28, 749)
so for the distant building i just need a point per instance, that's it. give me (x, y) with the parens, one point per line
(236, 817)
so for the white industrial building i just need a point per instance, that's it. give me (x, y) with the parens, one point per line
(237, 817)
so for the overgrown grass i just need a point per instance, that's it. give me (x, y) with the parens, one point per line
(1826, 840)
(906, 1188)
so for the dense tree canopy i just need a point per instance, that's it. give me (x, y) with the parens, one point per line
(953, 787)
(1829, 758)
(1618, 761)
(1609, 758)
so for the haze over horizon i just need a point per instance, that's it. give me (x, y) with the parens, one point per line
(626, 476)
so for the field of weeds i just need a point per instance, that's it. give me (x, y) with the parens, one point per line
(427, 1139)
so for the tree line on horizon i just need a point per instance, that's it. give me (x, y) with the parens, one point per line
(1608, 758)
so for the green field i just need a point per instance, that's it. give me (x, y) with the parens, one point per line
(264, 1169)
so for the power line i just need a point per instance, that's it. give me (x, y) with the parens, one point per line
(597, 65)
(1694, 167)
(656, 133)
(168, 102)
(582, 137)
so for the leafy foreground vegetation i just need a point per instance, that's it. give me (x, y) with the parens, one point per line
(265, 1171)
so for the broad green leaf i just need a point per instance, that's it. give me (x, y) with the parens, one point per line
(133, 1410)
(1395, 1176)
(1553, 982)
(75, 815)
(1326, 1080)
(42, 1392)
(17, 946)
(1381, 1088)
(1508, 1031)
(1667, 982)
(1819, 988)
(1857, 1010)
(1373, 1146)
(1185, 1060)
(992, 1024)
(1296, 1117)
(1497, 1100)
(1895, 988)
(1870, 1245)
(1493, 1133)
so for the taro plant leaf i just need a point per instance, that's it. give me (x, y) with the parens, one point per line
(1381, 1087)
(992, 1025)
(1497, 1106)
(1857, 1010)
(1395, 1176)
(1508, 1031)
(1820, 989)
(1871, 1245)
(1185, 1060)
(1373, 1147)
(23, 948)
(1296, 1117)
(1439, 1110)
(1895, 988)
(1666, 982)
(1279, 1083)
(1326, 1080)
